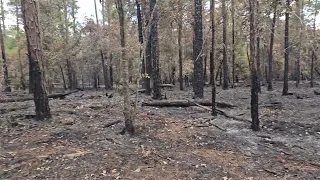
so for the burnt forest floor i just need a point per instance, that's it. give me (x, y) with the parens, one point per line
(170, 143)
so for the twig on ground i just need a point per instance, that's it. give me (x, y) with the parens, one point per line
(270, 171)
(112, 123)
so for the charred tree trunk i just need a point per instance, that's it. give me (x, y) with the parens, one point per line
(3, 55)
(233, 42)
(111, 70)
(63, 78)
(258, 49)
(140, 37)
(22, 83)
(225, 46)
(212, 55)
(313, 56)
(127, 110)
(147, 56)
(258, 64)
(198, 83)
(68, 63)
(254, 75)
(155, 50)
(286, 50)
(299, 12)
(180, 46)
(104, 68)
(104, 71)
(270, 57)
(32, 30)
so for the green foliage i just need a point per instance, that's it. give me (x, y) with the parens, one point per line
(10, 41)
(242, 63)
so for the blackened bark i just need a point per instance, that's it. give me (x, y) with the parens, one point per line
(140, 36)
(148, 65)
(3, 55)
(233, 43)
(180, 46)
(198, 83)
(104, 69)
(225, 46)
(31, 78)
(111, 70)
(22, 83)
(212, 54)
(258, 65)
(313, 56)
(155, 50)
(299, 12)
(258, 48)
(139, 16)
(63, 78)
(75, 79)
(270, 57)
(66, 28)
(32, 30)
(254, 76)
(95, 80)
(147, 55)
(286, 50)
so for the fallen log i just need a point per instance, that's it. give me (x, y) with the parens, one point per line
(184, 103)
(29, 98)
(112, 123)
(166, 85)
(223, 113)
(7, 110)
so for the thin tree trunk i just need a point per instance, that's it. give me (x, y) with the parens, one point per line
(111, 70)
(270, 57)
(104, 68)
(198, 83)
(212, 55)
(258, 48)
(254, 75)
(63, 78)
(32, 30)
(286, 51)
(7, 87)
(299, 12)
(140, 37)
(179, 45)
(68, 63)
(147, 55)
(313, 56)
(73, 14)
(3, 17)
(127, 110)
(22, 83)
(258, 64)
(233, 42)
(155, 50)
(225, 46)
(205, 68)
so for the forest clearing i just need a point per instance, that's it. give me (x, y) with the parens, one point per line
(150, 89)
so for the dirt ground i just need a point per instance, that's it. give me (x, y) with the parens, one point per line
(170, 143)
